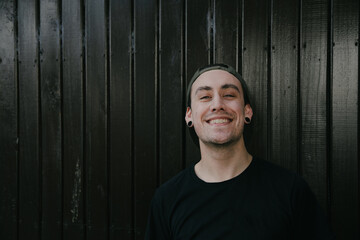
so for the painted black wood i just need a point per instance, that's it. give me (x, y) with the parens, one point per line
(100, 130)
(73, 119)
(345, 123)
(198, 54)
(226, 35)
(240, 44)
(96, 156)
(313, 97)
(284, 84)
(255, 72)
(29, 208)
(171, 121)
(51, 155)
(8, 125)
(145, 110)
(121, 121)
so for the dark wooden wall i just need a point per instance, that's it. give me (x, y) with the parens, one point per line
(92, 103)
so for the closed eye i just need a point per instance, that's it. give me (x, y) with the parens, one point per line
(204, 97)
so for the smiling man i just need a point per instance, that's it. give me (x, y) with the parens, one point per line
(229, 194)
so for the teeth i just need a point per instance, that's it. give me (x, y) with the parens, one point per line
(219, 121)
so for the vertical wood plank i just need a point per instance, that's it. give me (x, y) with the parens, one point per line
(96, 121)
(157, 80)
(313, 96)
(226, 32)
(255, 73)
(171, 119)
(240, 41)
(345, 122)
(29, 139)
(8, 122)
(121, 172)
(198, 24)
(284, 84)
(73, 119)
(50, 120)
(145, 111)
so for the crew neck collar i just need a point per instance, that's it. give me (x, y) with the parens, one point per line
(229, 181)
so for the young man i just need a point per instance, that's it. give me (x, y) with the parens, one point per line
(230, 194)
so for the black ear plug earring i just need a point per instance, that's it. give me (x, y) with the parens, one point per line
(247, 120)
(189, 124)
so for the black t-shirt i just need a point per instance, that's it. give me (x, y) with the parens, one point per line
(263, 202)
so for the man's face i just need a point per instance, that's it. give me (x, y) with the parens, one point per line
(217, 108)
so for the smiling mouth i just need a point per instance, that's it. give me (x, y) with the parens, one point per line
(219, 121)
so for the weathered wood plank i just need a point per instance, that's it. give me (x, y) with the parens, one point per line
(96, 121)
(73, 120)
(121, 121)
(171, 119)
(313, 96)
(198, 52)
(29, 130)
(51, 217)
(255, 72)
(145, 111)
(284, 84)
(8, 122)
(345, 122)
(226, 32)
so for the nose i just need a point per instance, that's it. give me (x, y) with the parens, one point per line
(217, 104)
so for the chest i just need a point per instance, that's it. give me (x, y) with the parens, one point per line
(229, 212)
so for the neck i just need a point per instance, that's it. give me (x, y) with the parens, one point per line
(222, 162)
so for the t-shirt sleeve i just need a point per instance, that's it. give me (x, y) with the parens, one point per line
(310, 221)
(157, 226)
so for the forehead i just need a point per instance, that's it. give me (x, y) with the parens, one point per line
(215, 79)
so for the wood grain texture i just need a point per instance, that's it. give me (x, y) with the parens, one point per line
(314, 96)
(90, 132)
(226, 32)
(145, 111)
(96, 121)
(255, 73)
(198, 51)
(73, 120)
(29, 131)
(345, 122)
(8, 126)
(121, 121)
(284, 84)
(171, 108)
(50, 120)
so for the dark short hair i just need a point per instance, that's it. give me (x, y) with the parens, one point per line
(217, 66)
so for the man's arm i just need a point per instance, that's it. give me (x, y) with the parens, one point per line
(157, 226)
(310, 221)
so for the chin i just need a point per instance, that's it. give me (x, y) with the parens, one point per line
(221, 141)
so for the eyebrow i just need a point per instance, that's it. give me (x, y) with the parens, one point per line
(203, 88)
(225, 86)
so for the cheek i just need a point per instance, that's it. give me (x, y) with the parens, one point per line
(197, 113)
(237, 108)
(197, 117)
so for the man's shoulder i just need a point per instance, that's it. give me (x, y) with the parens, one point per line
(175, 184)
(276, 175)
(266, 167)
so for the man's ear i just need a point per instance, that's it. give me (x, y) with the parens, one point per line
(188, 115)
(248, 111)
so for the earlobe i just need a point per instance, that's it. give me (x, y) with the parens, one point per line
(190, 124)
(188, 115)
(248, 113)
